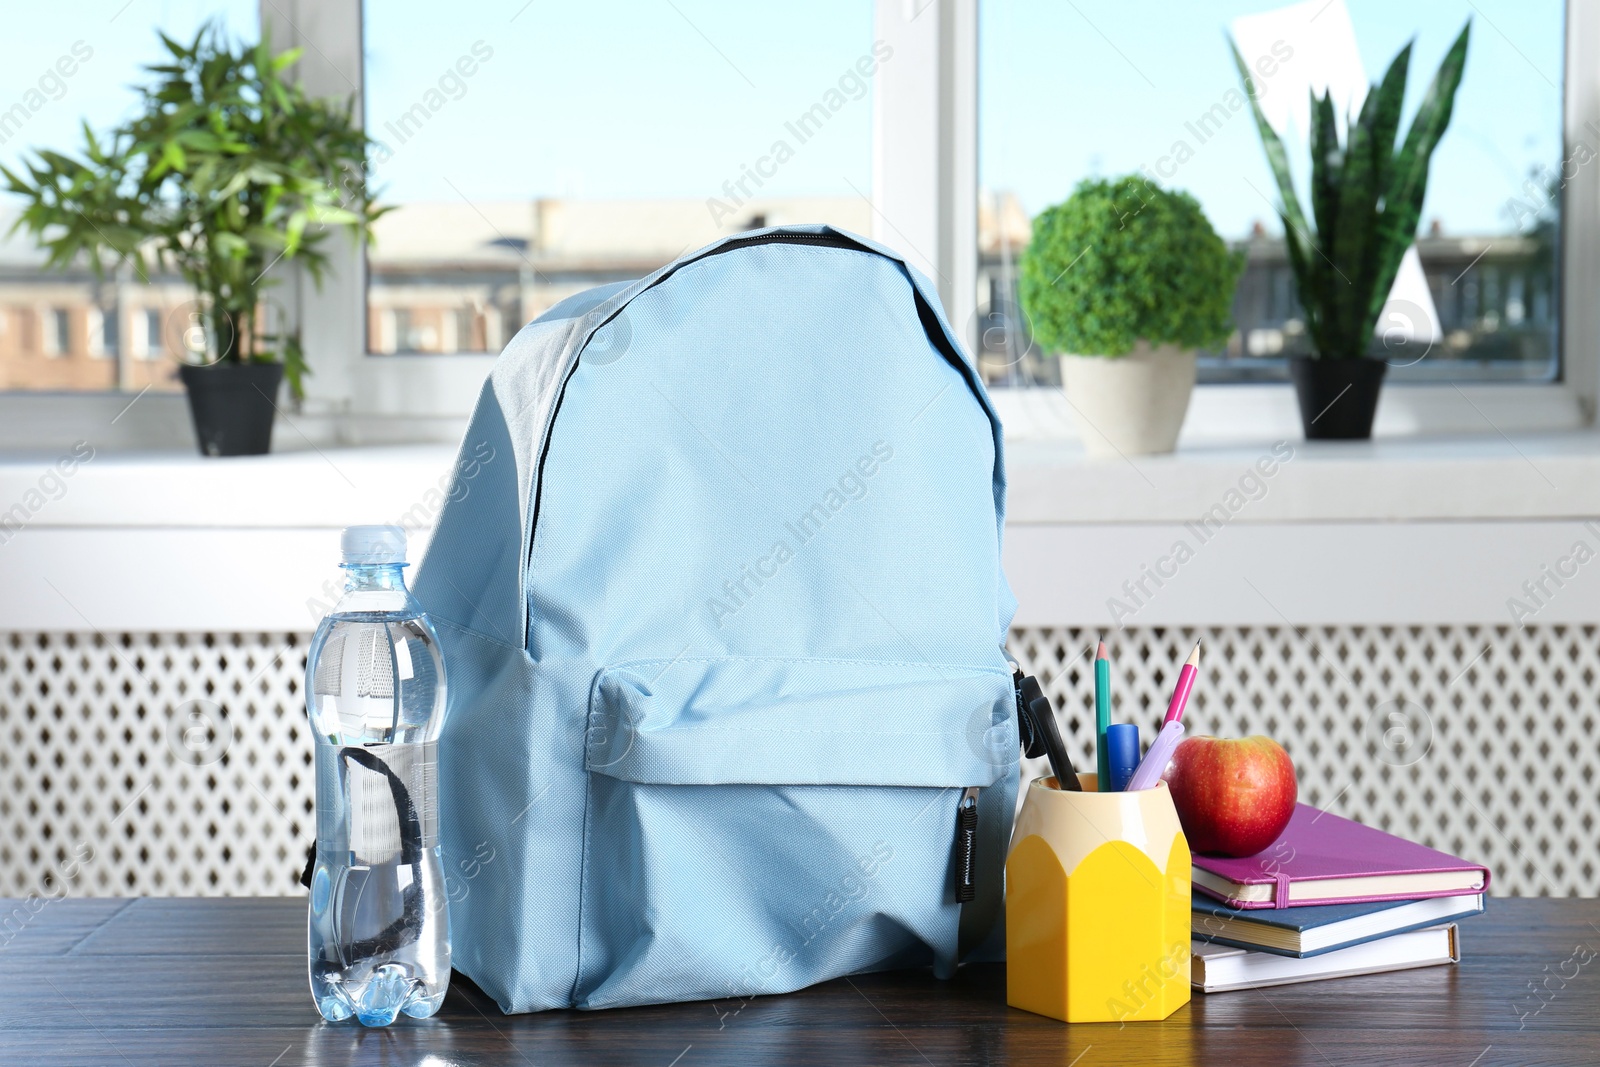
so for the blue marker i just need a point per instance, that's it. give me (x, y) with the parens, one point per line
(1122, 753)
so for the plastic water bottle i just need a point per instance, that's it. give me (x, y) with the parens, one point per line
(375, 693)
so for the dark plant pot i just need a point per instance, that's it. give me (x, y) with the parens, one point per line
(1338, 397)
(233, 405)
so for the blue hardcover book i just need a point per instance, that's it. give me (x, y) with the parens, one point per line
(1313, 930)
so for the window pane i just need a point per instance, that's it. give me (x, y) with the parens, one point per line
(1097, 89)
(59, 68)
(565, 146)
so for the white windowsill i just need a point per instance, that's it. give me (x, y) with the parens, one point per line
(410, 399)
(1267, 411)
(1486, 477)
(156, 542)
(294, 488)
(1480, 476)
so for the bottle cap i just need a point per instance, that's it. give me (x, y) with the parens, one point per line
(366, 545)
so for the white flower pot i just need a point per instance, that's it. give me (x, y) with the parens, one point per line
(1132, 405)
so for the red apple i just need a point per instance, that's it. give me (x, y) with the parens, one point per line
(1234, 795)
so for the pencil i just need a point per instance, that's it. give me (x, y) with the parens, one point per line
(1180, 694)
(1102, 716)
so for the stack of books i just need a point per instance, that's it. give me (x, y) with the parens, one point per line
(1329, 898)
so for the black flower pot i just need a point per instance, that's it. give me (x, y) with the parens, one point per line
(233, 405)
(1338, 397)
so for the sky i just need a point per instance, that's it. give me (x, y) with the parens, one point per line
(116, 35)
(658, 99)
(654, 99)
(1098, 87)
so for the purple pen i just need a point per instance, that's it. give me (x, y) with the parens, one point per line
(1155, 761)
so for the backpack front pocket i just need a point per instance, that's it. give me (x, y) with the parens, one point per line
(757, 825)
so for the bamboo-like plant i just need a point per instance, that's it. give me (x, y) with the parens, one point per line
(1366, 199)
(227, 169)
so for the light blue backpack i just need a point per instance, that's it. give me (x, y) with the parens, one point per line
(719, 588)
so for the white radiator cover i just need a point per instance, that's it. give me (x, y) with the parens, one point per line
(146, 764)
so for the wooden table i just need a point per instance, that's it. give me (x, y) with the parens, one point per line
(221, 982)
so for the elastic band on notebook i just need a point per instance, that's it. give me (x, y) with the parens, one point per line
(1280, 899)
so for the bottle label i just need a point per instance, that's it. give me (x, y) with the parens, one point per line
(377, 801)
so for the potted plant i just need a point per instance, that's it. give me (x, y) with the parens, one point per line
(226, 172)
(1366, 201)
(1125, 280)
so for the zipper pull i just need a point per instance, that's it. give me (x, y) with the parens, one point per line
(967, 846)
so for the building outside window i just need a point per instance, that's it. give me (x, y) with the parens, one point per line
(55, 334)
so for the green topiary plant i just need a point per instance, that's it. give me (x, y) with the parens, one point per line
(1122, 260)
(1366, 199)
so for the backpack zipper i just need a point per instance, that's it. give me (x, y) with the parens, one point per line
(828, 239)
(561, 394)
(925, 316)
(967, 846)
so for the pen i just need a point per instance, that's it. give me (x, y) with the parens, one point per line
(1180, 695)
(1155, 761)
(1122, 753)
(1102, 716)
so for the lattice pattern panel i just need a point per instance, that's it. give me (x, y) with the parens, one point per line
(180, 764)
(153, 764)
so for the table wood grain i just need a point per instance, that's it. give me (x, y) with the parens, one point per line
(222, 983)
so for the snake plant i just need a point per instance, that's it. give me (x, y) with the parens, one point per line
(1366, 199)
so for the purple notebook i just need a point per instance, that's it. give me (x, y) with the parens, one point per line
(1323, 859)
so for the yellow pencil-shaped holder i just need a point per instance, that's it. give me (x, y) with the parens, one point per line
(1097, 905)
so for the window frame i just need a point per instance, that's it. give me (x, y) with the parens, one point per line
(924, 198)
